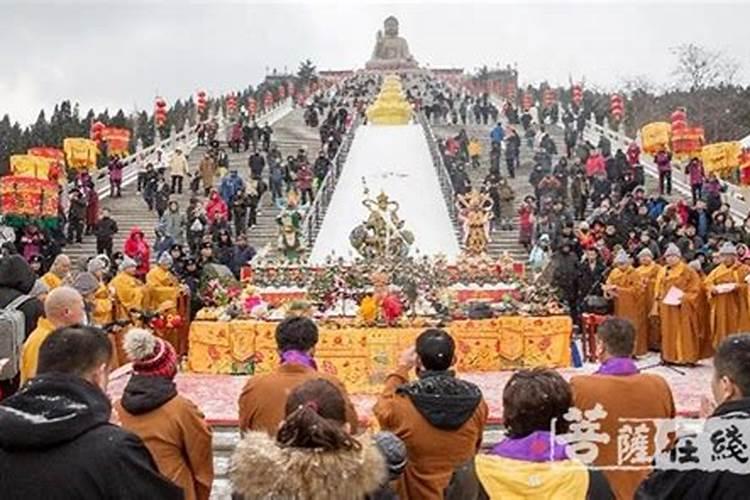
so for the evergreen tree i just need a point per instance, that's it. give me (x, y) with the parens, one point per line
(307, 73)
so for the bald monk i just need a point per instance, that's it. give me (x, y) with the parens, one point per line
(679, 318)
(624, 393)
(59, 272)
(625, 286)
(726, 288)
(648, 271)
(129, 295)
(63, 307)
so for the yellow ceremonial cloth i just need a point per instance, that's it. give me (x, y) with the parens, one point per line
(361, 357)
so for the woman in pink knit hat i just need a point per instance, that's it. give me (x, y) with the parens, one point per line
(172, 427)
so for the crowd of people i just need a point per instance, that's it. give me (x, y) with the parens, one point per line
(302, 436)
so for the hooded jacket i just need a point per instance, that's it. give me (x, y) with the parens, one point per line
(440, 419)
(56, 442)
(174, 431)
(17, 278)
(262, 469)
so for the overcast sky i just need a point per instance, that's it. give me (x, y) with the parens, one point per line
(118, 55)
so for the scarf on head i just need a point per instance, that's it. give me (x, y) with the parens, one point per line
(299, 358)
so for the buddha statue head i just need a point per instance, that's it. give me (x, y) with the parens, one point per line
(390, 26)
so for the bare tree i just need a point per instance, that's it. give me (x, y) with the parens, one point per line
(698, 67)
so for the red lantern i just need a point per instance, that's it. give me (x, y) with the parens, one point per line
(252, 105)
(616, 107)
(528, 101)
(231, 104)
(577, 93)
(160, 112)
(550, 98)
(201, 101)
(267, 99)
(679, 120)
(95, 133)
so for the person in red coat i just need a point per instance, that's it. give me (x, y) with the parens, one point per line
(136, 247)
(92, 207)
(216, 207)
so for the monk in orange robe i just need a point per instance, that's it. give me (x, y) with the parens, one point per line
(678, 292)
(625, 286)
(726, 287)
(707, 348)
(648, 271)
(129, 295)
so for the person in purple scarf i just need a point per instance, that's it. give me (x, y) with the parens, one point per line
(263, 399)
(530, 462)
(622, 392)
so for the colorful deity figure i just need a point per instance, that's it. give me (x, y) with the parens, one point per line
(475, 212)
(382, 235)
(290, 241)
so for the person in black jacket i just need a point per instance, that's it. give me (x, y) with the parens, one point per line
(257, 163)
(76, 216)
(730, 386)
(16, 279)
(105, 230)
(56, 440)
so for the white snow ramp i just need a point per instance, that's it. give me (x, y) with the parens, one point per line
(396, 160)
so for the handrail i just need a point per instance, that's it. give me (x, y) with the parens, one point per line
(187, 139)
(444, 178)
(314, 215)
(736, 196)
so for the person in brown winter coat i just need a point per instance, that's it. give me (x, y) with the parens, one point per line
(621, 391)
(207, 169)
(171, 426)
(439, 417)
(264, 396)
(313, 456)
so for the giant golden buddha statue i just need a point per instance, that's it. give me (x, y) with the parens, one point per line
(391, 51)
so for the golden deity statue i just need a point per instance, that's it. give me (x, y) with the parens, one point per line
(391, 50)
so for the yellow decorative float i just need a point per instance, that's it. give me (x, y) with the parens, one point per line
(654, 136)
(390, 107)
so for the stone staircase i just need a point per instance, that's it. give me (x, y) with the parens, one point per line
(502, 240)
(290, 133)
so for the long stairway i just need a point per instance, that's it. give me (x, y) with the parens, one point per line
(502, 240)
(290, 133)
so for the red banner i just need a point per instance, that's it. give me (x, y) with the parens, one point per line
(28, 196)
(118, 140)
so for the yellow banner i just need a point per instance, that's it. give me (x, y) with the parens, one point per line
(655, 136)
(722, 156)
(363, 356)
(80, 153)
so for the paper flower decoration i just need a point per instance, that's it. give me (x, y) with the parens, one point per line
(392, 308)
(368, 309)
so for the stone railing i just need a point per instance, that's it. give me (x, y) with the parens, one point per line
(187, 139)
(444, 178)
(315, 213)
(736, 196)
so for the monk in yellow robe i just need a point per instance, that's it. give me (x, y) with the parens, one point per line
(63, 307)
(162, 284)
(102, 303)
(164, 294)
(677, 292)
(129, 294)
(707, 348)
(625, 286)
(726, 287)
(59, 272)
(648, 271)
